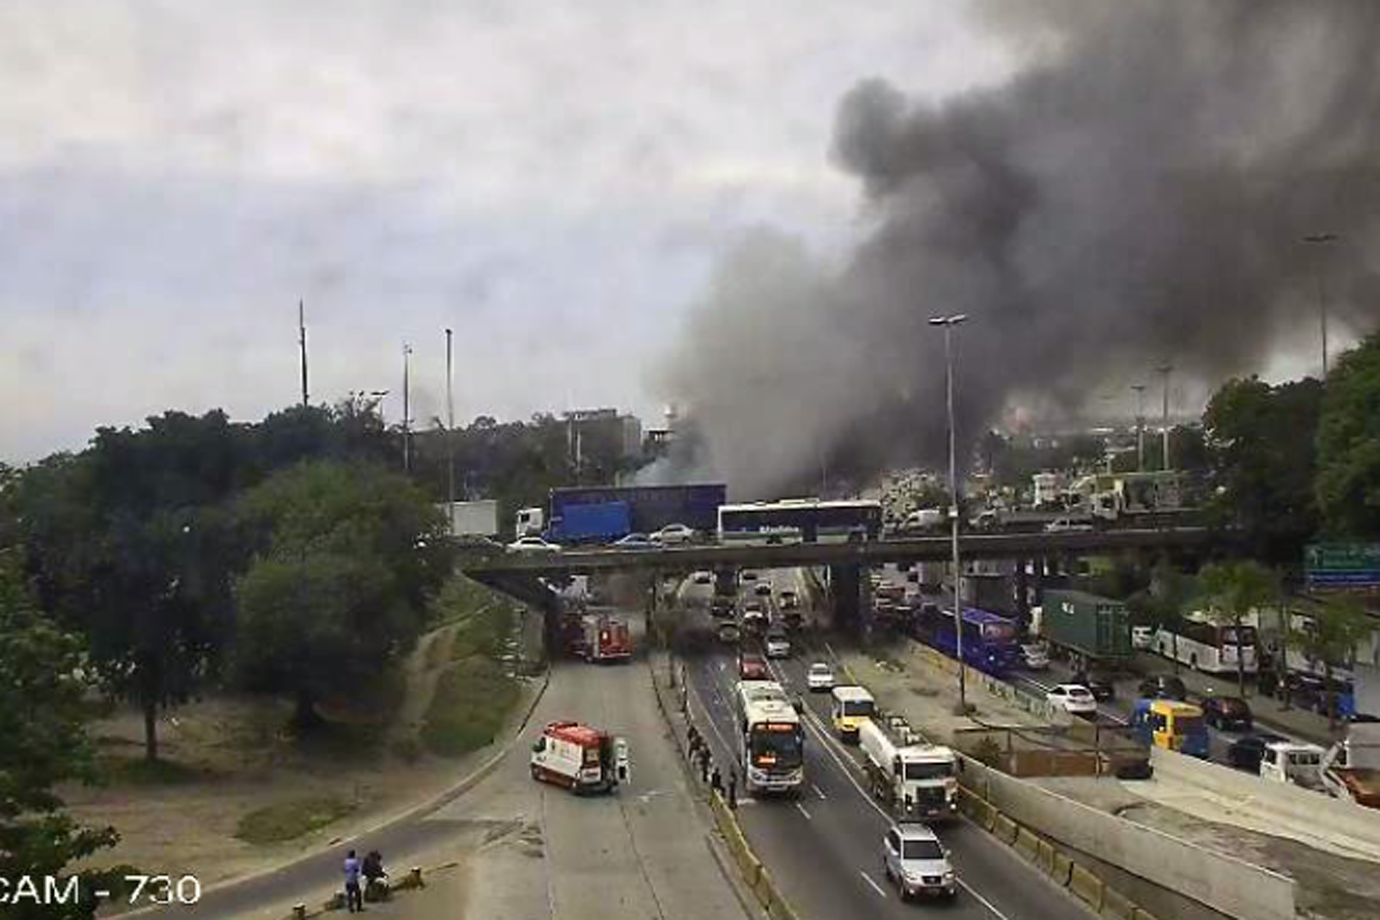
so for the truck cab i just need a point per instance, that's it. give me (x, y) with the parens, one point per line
(1292, 762)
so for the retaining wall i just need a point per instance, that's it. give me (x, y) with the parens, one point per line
(1222, 883)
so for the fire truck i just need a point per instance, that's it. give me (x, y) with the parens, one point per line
(917, 779)
(582, 759)
(606, 639)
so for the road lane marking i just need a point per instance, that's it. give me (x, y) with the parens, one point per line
(801, 808)
(875, 887)
(818, 791)
(985, 903)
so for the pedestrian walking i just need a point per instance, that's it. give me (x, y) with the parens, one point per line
(704, 767)
(716, 780)
(733, 789)
(354, 900)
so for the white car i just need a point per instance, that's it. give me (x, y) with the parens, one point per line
(532, 544)
(1075, 699)
(1036, 655)
(778, 646)
(673, 534)
(704, 578)
(820, 677)
(1068, 525)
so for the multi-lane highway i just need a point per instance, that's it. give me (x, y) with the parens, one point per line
(824, 846)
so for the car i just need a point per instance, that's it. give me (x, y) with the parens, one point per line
(820, 677)
(762, 589)
(752, 666)
(1246, 752)
(788, 600)
(1036, 655)
(747, 575)
(634, 541)
(1074, 699)
(673, 535)
(1309, 691)
(729, 633)
(778, 645)
(1229, 712)
(1142, 637)
(1101, 686)
(1068, 525)
(532, 544)
(754, 606)
(1163, 687)
(721, 607)
(704, 578)
(916, 862)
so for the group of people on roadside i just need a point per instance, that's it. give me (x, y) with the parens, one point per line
(375, 879)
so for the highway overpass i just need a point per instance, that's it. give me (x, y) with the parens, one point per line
(873, 552)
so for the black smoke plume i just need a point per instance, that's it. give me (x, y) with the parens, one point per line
(1137, 194)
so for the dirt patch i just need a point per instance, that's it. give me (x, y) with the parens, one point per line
(290, 820)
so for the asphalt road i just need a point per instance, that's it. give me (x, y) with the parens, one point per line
(823, 847)
(532, 850)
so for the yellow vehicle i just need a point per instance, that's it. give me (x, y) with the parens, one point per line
(1172, 725)
(850, 705)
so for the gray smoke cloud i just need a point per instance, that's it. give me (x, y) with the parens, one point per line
(1136, 194)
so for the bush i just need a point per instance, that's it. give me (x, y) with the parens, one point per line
(469, 707)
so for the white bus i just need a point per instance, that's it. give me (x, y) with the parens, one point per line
(1207, 647)
(771, 740)
(802, 520)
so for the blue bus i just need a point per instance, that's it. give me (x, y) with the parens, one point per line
(800, 520)
(989, 639)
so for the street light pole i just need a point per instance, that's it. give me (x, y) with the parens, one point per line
(949, 322)
(1165, 370)
(1140, 426)
(450, 434)
(1322, 239)
(407, 408)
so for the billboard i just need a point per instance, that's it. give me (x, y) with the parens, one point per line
(1342, 565)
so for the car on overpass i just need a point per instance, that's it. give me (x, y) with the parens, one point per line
(634, 541)
(533, 544)
(674, 535)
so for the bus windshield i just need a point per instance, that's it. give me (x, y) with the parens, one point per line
(776, 748)
(857, 707)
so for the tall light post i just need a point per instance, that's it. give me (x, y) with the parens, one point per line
(949, 322)
(1140, 426)
(1165, 370)
(1322, 240)
(407, 408)
(450, 434)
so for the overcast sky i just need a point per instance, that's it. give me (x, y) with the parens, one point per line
(554, 180)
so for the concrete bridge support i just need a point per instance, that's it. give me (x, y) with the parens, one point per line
(848, 584)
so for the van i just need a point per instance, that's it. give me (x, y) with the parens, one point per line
(1172, 725)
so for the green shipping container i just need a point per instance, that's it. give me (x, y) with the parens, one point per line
(1097, 627)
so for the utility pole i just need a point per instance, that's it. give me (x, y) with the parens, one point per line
(450, 433)
(1165, 370)
(1140, 426)
(949, 322)
(407, 408)
(1322, 240)
(302, 343)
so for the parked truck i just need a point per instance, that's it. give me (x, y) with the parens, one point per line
(580, 758)
(471, 519)
(915, 778)
(529, 522)
(1089, 628)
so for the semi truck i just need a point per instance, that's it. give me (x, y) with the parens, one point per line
(529, 522)
(914, 778)
(1089, 628)
(580, 758)
(606, 639)
(644, 509)
(471, 519)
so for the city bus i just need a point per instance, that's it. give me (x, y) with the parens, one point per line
(771, 739)
(1207, 647)
(800, 521)
(990, 640)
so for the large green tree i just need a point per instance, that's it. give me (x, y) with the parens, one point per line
(1260, 441)
(43, 742)
(347, 556)
(1233, 590)
(1348, 480)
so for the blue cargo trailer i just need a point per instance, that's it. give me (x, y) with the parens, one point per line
(591, 523)
(649, 508)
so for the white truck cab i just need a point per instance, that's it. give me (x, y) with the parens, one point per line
(1292, 762)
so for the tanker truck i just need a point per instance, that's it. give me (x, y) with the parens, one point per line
(916, 779)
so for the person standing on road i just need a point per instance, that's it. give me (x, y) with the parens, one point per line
(733, 788)
(354, 901)
(716, 780)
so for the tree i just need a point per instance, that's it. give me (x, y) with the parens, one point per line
(1330, 636)
(346, 559)
(1262, 459)
(1348, 477)
(1162, 603)
(45, 743)
(1234, 589)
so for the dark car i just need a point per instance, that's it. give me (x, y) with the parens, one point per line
(1308, 691)
(1163, 687)
(1245, 753)
(1100, 686)
(1229, 712)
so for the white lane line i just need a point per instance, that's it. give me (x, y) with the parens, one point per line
(875, 887)
(801, 808)
(983, 901)
(819, 792)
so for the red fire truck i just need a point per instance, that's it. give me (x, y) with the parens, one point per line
(607, 639)
(580, 758)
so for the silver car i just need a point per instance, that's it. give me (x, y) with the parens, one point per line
(916, 862)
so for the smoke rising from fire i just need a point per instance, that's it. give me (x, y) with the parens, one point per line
(1137, 194)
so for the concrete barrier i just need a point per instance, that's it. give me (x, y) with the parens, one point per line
(1143, 914)
(1044, 856)
(1228, 885)
(1004, 829)
(1116, 906)
(1352, 827)
(1087, 886)
(1061, 869)
(1027, 844)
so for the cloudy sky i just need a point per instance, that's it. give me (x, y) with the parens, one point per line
(554, 180)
